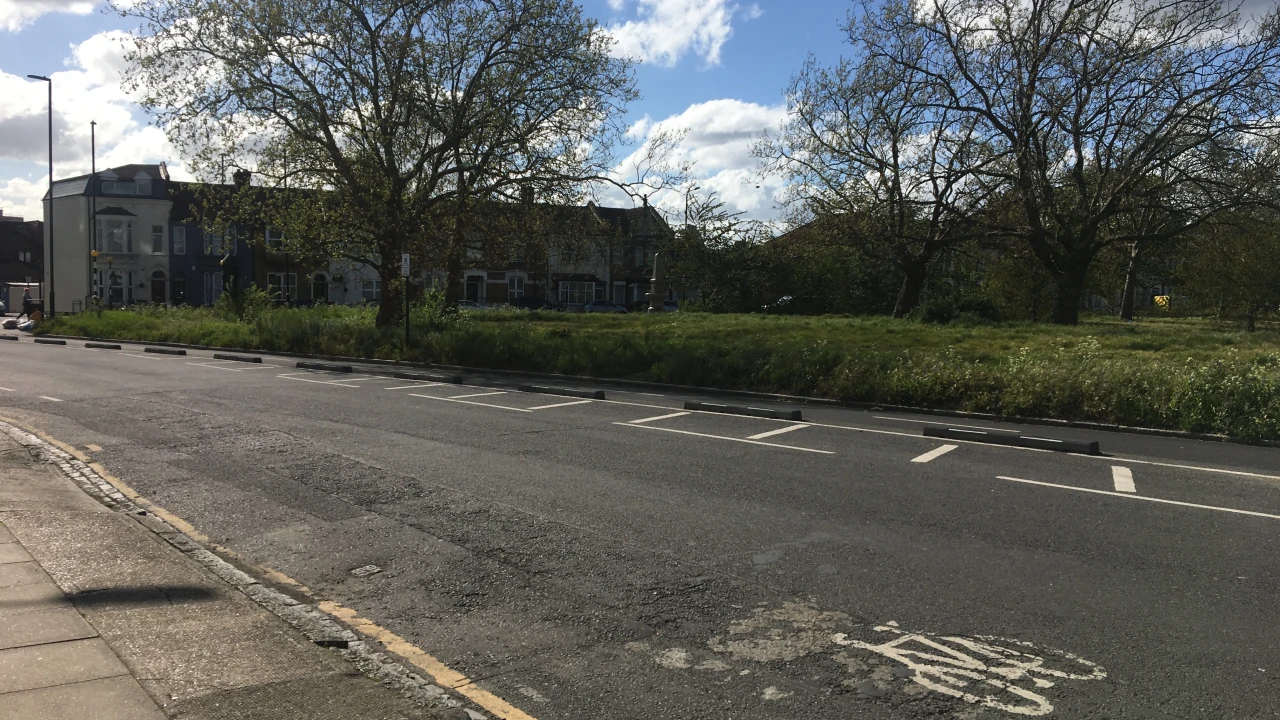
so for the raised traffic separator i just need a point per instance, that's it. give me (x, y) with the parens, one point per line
(427, 377)
(567, 392)
(164, 351)
(101, 346)
(324, 366)
(8, 337)
(742, 410)
(50, 341)
(237, 358)
(1037, 443)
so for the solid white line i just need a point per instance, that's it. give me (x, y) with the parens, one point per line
(731, 439)
(5, 389)
(468, 402)
(560, 405)
(934, 422)
(414, 387)
(1123, 478)
(318, 382)
(484, 394)
(51, 399)
(779, 431)
(1141, 497)
(934, 454)
(144, 357)
(216, 367)
(629, 392)
(660, 417)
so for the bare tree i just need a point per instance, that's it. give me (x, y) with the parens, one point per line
(1100, 112)
(403, 112)
(877, 156)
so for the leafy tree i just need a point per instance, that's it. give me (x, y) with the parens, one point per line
(1233, 267)
(404, 113)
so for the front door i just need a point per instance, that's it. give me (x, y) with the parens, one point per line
(157, 288)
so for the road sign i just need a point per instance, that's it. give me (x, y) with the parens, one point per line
(404, 265)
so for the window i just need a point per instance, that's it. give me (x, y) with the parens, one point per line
(371, 290)
(115, 236)
(157, 239)
(212, 242)
(577, 293)
(24, 256)
(515, 287)
(143, 186)
(179, 241)
(276, 285)
(275, 238)
(640, 258)
(120, 187)
(212, 287)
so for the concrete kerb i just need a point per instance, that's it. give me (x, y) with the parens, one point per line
(102, 346)
(567, 392)
(427, 377)
(317, 626)
(748, 394)
(165, 350)
(771, 414)
(237, 358)
(1070, 446)
(325, 366)
(50, 341)
(8, 337)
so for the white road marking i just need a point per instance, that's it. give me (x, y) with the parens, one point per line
(318, 382)
(660, 417)
(484, 394)
(1141, 497)
(414, 387)
(722, 437)
(50, 399)
(469, 402)
(934, 422)
(934, 454)
(560, 405)
(629, 392)
(215, 367)
(779, 431)
(144, 357)
(1123, 478)
(5, 389)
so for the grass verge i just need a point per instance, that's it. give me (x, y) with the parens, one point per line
(1182, 374)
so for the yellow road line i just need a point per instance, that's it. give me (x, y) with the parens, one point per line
(441, 673)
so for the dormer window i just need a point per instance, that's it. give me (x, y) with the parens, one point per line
(121, 187)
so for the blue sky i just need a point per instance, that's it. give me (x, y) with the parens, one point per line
(712, 68)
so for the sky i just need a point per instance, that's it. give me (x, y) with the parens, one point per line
(713, 69)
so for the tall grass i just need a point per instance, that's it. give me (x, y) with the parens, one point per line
(1181, 374)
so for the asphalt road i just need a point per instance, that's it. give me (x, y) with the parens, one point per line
(592, 560)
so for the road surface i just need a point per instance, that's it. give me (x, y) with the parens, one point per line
(625, 558)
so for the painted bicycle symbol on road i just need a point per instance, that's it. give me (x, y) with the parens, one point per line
(998, 673)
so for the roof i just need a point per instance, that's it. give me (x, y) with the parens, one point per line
(79, 184)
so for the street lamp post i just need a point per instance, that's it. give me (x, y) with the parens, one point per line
(52, 306)
(93, 192)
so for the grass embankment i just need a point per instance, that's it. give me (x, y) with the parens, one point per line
(1181, 374)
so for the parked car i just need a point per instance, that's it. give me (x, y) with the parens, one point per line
(603, 306)
(667, 306)
(471, 305)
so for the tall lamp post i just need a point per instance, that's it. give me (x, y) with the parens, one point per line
(52, 306)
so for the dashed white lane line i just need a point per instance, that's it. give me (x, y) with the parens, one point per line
(418, 386)
(483, 394)
(215, 367)
(50, 399)
(469, 402)
(934, 454)
(660, 417)
(144, 357)
(318, 382)
(1123, 479)
(563, 404)
(722, 437)
(779, 431)
(5, 389)
(1141, 497)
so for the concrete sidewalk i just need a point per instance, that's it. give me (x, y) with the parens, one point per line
(104, 618)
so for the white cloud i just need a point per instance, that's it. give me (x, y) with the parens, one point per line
(16, 14)
(88, 90)
(717, 139)
(664, 30)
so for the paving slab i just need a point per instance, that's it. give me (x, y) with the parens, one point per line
(21, 573)
(115, 698)
(5, 535)
(19, 629)
(38, 666)
(32, 598)
(13, 553)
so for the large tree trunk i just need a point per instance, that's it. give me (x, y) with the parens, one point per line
(391, 304)
(1066, 307)
(1130, 282)
(457, 247)
(913, 279)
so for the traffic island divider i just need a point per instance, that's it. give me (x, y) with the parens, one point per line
(237, 358)
(8, 337)
(50, 341)
(428, 377)
(102, 346)
(567, 392)
(1038, 443)
(325, 366)
(164, 351)
(767, 413)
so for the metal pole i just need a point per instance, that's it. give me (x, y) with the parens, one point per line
(93, 192)
(51, 308)
(406, 314)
